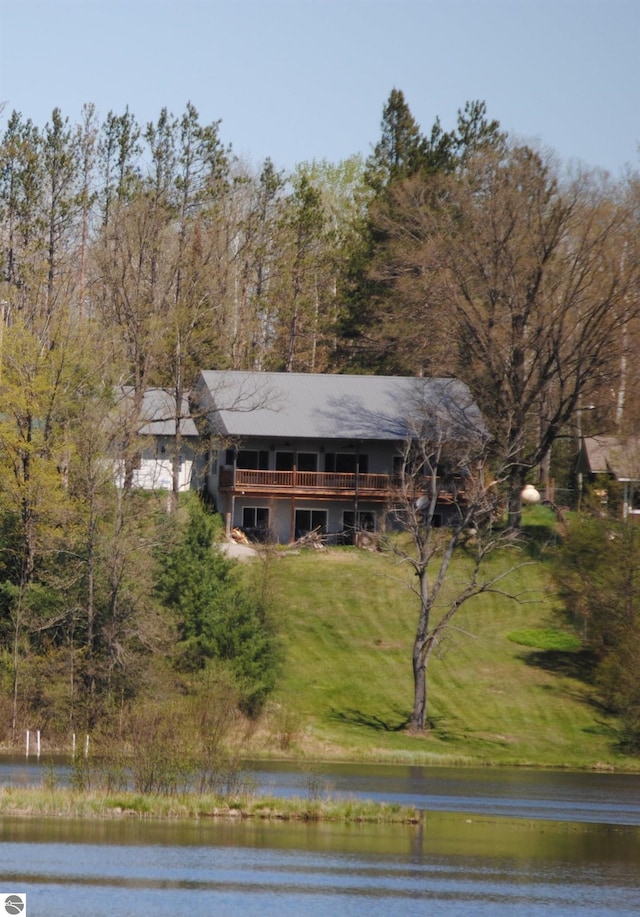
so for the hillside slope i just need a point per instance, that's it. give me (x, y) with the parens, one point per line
(346, 690)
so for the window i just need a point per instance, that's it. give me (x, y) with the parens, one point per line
(255, 517)
(407, 467)
(249, 458)
(284, 461)
(307, 520)
(345, 463)
(307, 461)
(304, 461)
(366, 521)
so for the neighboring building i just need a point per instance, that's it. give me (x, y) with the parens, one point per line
(155, 427)
(616, 459)
(294, 452)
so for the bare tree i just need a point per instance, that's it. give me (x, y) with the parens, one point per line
(444, 467)
(513, 278)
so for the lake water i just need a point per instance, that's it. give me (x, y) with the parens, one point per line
(495, 842)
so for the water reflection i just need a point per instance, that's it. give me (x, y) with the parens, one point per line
(457, 864)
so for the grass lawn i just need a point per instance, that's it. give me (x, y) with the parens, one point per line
(505, 688)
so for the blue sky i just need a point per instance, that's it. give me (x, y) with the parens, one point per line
(304, 79)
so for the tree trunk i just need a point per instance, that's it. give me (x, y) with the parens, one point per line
(514, 507)
(421, 649)
(419, 716)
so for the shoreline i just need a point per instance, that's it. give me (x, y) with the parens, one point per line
(62, 802)
(31, 804)
(387, 759)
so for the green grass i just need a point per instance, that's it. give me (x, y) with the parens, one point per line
(547, 639)
(65, 803)
(346, 691)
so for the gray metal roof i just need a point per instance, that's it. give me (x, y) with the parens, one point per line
(321, 406)
(158, 416)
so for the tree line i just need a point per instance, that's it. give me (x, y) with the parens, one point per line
(137, 254)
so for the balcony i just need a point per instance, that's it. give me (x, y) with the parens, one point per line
(335, 485)
(320, 483)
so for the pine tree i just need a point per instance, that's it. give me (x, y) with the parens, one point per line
(219, 621)
(401, 150)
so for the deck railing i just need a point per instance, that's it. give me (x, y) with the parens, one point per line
(312, 480)
(326, 482)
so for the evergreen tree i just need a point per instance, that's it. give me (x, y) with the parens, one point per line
(217, 619)
(63, 206)
(20, 205)
(404, 164)
(118, 151)
(401, 150)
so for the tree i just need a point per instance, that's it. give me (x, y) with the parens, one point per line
(401, 150)
(613, 406)
(300, 285)
(217, 618)
(515, 279)
(372, 338)
(343, 194)
(259, 201)
(596, 573)
(20, 197)
(118, 152)
(37, 385)
(63, 200)
(474, 133)
(86, 138)
(201, 178)
(443, 459)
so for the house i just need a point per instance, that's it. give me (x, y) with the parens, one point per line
(154, 425)
(293, 452)
(615, 458)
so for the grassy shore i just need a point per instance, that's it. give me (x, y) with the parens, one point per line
(509, 685)
(60, 802)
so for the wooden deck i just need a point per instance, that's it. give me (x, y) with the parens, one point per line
(323, 485)
(306, 482)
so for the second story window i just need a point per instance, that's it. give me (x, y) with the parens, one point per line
(345, 462)
(307, 461)
(254, 459)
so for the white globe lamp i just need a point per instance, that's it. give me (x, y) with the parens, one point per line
(530, 496)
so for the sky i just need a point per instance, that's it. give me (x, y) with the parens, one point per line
(298, 80)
